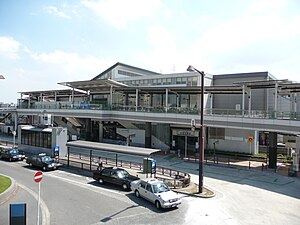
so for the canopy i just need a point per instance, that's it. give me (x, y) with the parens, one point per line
(122, 149)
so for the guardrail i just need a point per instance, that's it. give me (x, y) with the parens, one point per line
(177, 179)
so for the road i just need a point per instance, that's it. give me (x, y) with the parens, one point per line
(243, 197)
(75, 199)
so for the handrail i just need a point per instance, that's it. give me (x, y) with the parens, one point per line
(161, 109)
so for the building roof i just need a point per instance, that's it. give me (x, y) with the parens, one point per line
(125, 65)
(122, 149)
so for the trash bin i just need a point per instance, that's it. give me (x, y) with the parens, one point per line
(147, 165)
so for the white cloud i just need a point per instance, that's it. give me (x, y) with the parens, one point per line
(71, 65)
(9, 47)
(262, 6)
(119, 12)
(52, 10)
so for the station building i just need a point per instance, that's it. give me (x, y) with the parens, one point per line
(243, 112)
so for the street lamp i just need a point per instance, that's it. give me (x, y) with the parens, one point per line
(201, 133)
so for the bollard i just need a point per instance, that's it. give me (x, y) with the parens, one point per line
(249, 165)
(228, 161)
(217, 160)
(262, 167)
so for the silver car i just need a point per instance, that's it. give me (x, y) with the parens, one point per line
(156, 192)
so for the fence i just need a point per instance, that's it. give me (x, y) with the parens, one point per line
(174, 178)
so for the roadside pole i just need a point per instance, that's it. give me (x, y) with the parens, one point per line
(38, 176)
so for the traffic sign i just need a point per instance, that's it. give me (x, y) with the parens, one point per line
(250, 138)
(38, 176)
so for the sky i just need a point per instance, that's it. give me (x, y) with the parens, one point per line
(46, 42)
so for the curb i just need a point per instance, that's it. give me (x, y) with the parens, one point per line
(8, 192)
(208, 194)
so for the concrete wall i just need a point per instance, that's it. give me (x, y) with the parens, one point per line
(236, 140)
(60, 138)
(229, 101)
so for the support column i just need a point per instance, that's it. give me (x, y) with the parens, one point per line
(272, 150)
(256, 142)
(148, 135)
(136, 99)
(243, 100)
(249, 102)
(88, 129)
(111, 97)
(100, 131)
(276, 100)
(211, 103)
(167, 96)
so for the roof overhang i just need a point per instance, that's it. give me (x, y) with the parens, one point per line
(93, 85)
(122, 149)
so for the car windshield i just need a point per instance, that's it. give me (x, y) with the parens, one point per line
(46, 159)
(14, 151)
(123, 173)
(160, 187)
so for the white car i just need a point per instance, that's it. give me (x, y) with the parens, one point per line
(156, 192)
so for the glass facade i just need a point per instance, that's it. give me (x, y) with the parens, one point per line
(36, 138)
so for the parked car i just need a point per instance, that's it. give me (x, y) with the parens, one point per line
(43, 161)
(114, 175)
(156, 192)
(11, 154)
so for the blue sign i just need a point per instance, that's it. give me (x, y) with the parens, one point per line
(153, 164)
(56, 148)
(17, 214)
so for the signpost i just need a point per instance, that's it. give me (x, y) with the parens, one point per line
(38, 176)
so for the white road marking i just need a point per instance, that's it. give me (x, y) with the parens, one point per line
(92, 188)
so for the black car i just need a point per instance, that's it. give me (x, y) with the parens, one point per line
(114, 175)
(11, 154)
(43, 161)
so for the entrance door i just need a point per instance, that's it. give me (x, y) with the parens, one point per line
(186, 144)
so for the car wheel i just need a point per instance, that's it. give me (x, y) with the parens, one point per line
(44, 168)
(30, 164)
(157, 204)
(125, 186)
(137, 193)
(101, 181)
(10, 159)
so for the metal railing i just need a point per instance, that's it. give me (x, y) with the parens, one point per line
(174, 178)
(160, 109)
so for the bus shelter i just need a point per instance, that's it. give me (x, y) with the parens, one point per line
(95, 148)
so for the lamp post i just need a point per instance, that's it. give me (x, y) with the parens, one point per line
(201, 133)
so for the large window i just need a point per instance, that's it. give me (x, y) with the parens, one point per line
(217, 133)
(36, 138)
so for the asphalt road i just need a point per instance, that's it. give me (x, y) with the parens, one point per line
(73, 199)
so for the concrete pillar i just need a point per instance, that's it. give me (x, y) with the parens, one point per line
(100, 131)
(148, 135)
(272, 150)
(88, 127)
